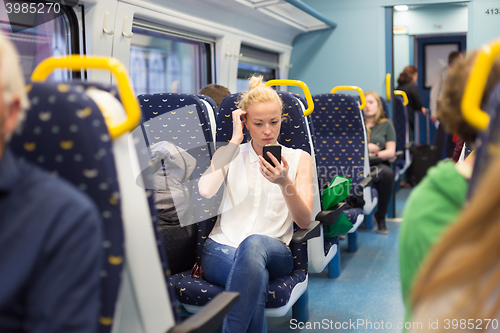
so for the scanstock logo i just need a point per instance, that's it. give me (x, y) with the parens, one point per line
(24, 14)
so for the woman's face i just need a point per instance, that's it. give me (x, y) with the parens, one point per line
(263, 121)
(371, 107)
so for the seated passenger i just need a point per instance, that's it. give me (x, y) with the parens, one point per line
(215, 92)
(249, 242)
(436, 202)
(459, 281)
(50, 233)
(382, 147)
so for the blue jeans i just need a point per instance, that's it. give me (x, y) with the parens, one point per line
(246, 270)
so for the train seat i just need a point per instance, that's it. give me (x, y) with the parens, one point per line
(213, 110)
(401, 125)
(322, 251)
(487, 141)
(65, 134)
(286, 292)
(342, 150)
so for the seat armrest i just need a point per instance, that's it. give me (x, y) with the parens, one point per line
(303, 235)
(328, 217)
(209, 318)
(397, 156)
(367, 181)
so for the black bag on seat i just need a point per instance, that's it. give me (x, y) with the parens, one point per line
(423, 158)
(173, 167)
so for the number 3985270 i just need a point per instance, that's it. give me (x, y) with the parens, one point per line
(32, 8)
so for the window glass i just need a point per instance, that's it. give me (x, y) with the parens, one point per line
(34, 45)
(245, 71)
(160, 63)
(256, 61)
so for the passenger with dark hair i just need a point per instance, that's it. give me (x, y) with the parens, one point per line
(215, 92)
(407, 83)
(249, 242)
(443, 140)
(50, 233)
(439, 198)
(382, 147)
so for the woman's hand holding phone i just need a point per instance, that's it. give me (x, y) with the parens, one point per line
(238, 125)
(277, 174)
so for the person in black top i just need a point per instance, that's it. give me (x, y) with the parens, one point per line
(381, 148)
(406, 83)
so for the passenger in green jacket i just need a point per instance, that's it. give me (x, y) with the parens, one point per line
(437, 201)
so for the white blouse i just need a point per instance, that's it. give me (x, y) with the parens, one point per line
(254, 205)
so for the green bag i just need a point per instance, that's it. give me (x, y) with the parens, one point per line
(338, 190)
(340, 227)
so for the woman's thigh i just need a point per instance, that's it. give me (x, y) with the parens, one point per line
(276, 256)
(217, 261)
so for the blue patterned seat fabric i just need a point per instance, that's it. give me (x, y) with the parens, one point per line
(400, 125)
(340, 144)
(327, 242)
(385, 107)
(180, 119)
(487, 141)
(65, 133)
(199, 291)
(211, 102)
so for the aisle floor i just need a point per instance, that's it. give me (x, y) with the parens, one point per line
(367, 291)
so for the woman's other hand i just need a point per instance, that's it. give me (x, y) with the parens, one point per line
(373, 149)
(277, 174)
(238, 125)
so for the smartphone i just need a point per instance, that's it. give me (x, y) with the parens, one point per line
(275, 149)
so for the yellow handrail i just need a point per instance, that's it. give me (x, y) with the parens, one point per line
(471, 101)
(388, 86)
(132, 108)
(296, 83)
(358, 89)
(402, 93)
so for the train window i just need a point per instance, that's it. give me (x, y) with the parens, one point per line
(58, 36)
(255, 61)
(162, 61)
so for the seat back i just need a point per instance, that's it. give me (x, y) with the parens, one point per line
(212, 113)
(180, 119)
(341, 139)
(401, 125)
(487, 142)
(65, 134)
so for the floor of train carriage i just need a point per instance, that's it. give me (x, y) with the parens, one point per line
(367, 289)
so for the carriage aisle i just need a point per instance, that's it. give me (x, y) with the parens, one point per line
(368, 289)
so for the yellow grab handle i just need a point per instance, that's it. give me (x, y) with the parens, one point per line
(471, 101)
(358, 89)
(402, 93)
(388, 86)
(296, 83)
(132, 108)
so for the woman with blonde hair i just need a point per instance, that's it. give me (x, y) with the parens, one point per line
(249, 242)
(459, 283)
(381, 148)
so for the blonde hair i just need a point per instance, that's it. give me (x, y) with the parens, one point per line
(380, 116)
(258, 93)
(12, 78)
(466, 258)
